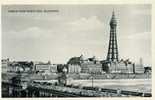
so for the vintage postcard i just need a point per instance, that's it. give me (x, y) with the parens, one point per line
(75, 50)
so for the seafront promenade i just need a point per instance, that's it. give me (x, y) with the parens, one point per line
(85, 87)
(136, 85)
(38, 89)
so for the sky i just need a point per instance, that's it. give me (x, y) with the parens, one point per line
(72, 30)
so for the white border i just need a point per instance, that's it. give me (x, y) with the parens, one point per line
(18, 2)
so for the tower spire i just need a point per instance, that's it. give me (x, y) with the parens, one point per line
(113, 49)
(113, 13)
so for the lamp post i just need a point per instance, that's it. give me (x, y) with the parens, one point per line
(65, 75)
(92, 79)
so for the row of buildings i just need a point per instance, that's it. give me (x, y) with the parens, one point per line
(81, 65)
(91, 65)
(74, 65)
(25, 66)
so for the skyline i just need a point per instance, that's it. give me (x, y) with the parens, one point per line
(76, 30)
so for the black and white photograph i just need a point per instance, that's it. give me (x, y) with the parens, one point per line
(75, 50)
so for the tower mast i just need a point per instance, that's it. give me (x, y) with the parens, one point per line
(113, 49)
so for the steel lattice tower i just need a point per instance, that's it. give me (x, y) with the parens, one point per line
(113, 49)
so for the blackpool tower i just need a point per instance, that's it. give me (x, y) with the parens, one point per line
(113, 49)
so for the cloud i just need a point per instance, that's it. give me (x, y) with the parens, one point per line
(82, 28)
(86, 31)
(31, 32)
(143, 36)
(90, 23)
